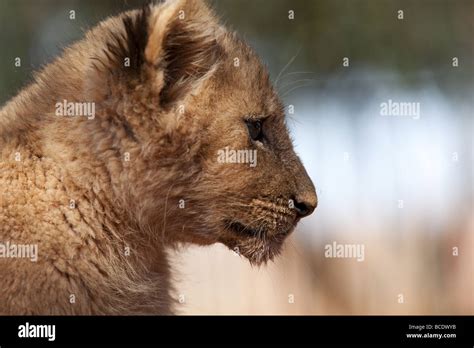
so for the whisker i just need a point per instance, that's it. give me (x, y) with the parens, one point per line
(286, 67)
(297, 81)
(295, 88)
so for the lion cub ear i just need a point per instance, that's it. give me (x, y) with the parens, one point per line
(181, 47)
(169, 48)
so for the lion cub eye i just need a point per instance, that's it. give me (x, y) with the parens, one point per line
(255, 129)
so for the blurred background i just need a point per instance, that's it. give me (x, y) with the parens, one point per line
(401, 186)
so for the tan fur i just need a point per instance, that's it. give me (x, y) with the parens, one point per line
(181, 100)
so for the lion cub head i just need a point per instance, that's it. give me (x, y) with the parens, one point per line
(212, 158)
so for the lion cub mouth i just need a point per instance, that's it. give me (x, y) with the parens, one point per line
(242, 230)
(258, 233)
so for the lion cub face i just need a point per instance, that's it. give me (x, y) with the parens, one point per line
(225, 127)
(255, 188)
(252, 188)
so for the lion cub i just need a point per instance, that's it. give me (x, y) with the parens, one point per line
(159, 128)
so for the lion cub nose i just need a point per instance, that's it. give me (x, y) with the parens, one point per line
(305, 203)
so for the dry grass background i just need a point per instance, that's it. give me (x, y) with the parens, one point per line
(416, 264)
